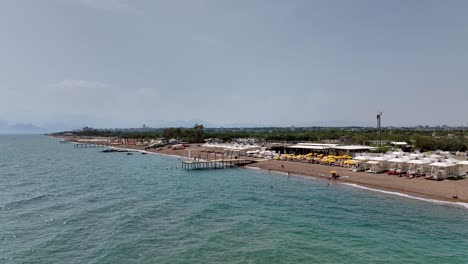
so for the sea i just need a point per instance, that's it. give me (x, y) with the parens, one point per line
(60, 204)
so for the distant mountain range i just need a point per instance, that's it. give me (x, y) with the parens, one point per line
(20, 128)
(29, 128)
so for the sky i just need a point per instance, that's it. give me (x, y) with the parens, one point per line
(118, 63)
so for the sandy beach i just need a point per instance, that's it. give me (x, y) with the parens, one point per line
(440, 190)
(444, 190)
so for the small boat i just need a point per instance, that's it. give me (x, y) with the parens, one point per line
(144, 153)
(109, 150)
(128, 153)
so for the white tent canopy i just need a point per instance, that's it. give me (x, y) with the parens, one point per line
(442, 164)
(399, 159)
(420, 161)
(361, 158)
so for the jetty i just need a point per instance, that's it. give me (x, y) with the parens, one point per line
(214, 164)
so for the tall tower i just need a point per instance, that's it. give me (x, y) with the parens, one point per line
(379, 114)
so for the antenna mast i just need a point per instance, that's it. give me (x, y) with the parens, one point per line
(379, 114)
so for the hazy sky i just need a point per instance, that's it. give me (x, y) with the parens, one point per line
(124, 63)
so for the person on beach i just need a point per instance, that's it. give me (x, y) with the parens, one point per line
(333, 176)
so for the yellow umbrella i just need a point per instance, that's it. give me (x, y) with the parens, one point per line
(333, 172)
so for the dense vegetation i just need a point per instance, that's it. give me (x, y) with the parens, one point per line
(445, 139)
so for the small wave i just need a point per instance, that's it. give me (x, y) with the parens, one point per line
(458, 204)
(252, 168)
(281, 172)
(28, 200)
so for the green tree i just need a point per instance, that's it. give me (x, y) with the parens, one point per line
(199, 131)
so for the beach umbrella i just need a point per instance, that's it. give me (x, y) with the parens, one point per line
(333, 172)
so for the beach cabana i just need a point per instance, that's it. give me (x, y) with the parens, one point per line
(418, 167)
(463, 168)
(361, 158)
(398, 165)
(441, 170)
(379, 163)
(373, 166)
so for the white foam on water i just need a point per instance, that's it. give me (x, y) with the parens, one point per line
(458, 204)
(252, 168)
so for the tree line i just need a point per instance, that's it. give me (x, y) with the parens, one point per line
(454, 140)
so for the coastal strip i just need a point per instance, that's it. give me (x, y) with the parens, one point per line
(443, 191)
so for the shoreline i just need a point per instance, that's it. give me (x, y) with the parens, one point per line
(421, 189)
(373, 188)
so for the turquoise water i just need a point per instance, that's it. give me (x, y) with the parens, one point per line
(64, 205)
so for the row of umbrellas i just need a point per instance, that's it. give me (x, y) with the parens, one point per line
(316, 157)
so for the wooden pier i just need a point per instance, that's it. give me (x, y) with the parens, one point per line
(214, 164)
(88, 145)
